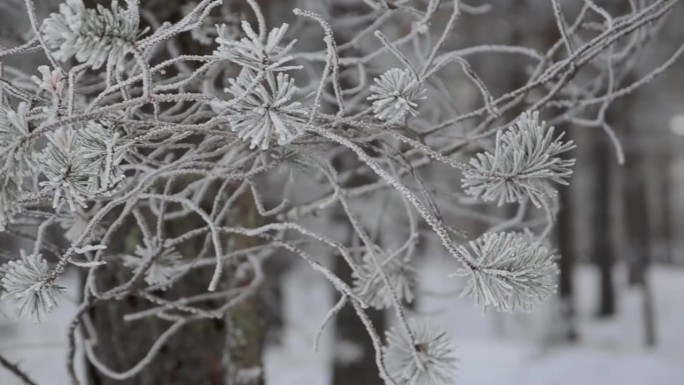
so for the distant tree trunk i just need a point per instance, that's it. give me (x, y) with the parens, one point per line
(665, 207)
(636, 218)
(349, 331)
(566, 248)
(602, 248)
(658, 198)
(637, 224)
(638, 235)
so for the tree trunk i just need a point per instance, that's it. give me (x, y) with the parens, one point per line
(194, 355)
(658, 187)
(602, 252)
(638, 236)
(637, 227)
(566, 248)
(349, 331)
(665, 230)
(359, 367)
(205, 352)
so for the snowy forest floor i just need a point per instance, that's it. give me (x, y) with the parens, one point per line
(496, 349)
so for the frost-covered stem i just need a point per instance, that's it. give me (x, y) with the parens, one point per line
(71, 86)
(370, 246)
(487, 97)
(624, 91)
(397, 53)
(377, 342)
(550, 218)
(296, 227)
(14, 369)
(427, 150)
(2, 88)
(212, 227)
(261, 20)
(260, 203)
(40, 233)
(515, 220)
(334, 280)
(619, 151)
(31, 11)
(560, 21)
(30, 45)
(145, 361)
(187, 23)
(71, 337)
(333, 59)
(435, 224)
(146, 72)
(445, 33)
(329, 317)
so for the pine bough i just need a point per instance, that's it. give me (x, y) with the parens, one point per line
(109, 134)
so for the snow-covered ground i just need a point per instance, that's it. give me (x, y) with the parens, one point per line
(510, 349)
(38, 349)
(494, 349)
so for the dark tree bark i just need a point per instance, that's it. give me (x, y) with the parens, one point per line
(206, 352)
(566, 290)
(637, 224)
(211, 352)
(665, 229)
(637, 234)
(350, 330)
(602, 248)
(658, 177)
(194, 355)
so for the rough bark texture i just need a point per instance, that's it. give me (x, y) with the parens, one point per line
(211, 352)
(207, 352)
(194, 355)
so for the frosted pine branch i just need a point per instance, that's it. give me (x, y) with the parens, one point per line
(27, 285)
(251, 53)
(159, 264)
(9, 202)
(70, 174)
(431, 361)
(369, 284)
(266, 111)
(526, 163)
(149, 157)
(396, 94)
(15, 151)
(509, 271)
(94, 36)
